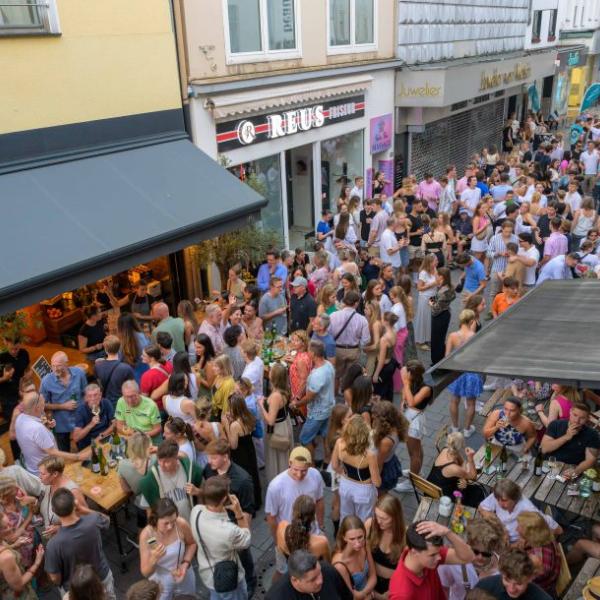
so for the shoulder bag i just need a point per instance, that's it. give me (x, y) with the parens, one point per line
(337, 335)
(225, 572)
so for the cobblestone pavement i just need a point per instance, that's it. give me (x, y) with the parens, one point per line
(262, 544)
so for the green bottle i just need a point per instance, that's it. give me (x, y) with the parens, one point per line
(95, 460)
(103, 463)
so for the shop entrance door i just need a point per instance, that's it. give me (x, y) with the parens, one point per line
(300, 205)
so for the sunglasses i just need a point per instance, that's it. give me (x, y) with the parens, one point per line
(482, 553)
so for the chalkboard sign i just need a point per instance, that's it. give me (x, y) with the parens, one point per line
(41, 367)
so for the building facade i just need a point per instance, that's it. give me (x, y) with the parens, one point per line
(465, 70)
(298, 93)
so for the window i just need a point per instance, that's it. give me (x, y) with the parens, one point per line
(536, 27)
(261, 29)
(552, 25)
(28, 17)
(351, 25)
(575, 16)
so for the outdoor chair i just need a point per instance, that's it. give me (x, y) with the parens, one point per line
(426, 488)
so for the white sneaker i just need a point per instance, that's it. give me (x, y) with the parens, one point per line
(469, 432)
(405, 472)
(479, 406)
(404, 486)
(452, 429)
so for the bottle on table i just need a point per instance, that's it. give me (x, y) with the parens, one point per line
(503, 459)
(538, 465)
(115, 444)
(103, 463)
(487, 461)
(95, 459)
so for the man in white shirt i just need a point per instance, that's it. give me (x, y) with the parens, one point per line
(389, 247)
(558, 267)
(254, 371)
(507, 503)
(573, 197)
(529, 256)
(589, 162)
(471, 196)
(358, 190)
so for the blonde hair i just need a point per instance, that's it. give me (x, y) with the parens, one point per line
(399, 294)
(203, 408)
(302, 336)
(455, 442)
(223, 363)
(53, 464)
(326, 292)
(138, 446)
(535, 530)
(356, 436)
(466, 316)
(2, 458)
(428, 264)
(375, 309)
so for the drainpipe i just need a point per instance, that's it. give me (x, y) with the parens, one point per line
(178, 26)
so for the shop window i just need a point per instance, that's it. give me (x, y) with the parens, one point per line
(536, 28)
(23, 17)
(341, 160)
(261, 30)
(351, 26)
(552, 25)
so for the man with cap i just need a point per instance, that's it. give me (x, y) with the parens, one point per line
(302, 305)
(299, 479)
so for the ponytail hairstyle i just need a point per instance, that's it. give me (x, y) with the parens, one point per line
(240, 412)
(455, 443)
(179, 427)
(398, 293)
(165, 507)
(297, 533)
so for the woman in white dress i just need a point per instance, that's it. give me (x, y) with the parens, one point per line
(427, 285)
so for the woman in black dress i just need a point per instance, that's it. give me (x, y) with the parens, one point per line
(238, 425)
(440, 314)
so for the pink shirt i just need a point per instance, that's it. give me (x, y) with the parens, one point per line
(556, 244)
(430, 192)
(461, 185)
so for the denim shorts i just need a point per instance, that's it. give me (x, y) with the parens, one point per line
(312, 428)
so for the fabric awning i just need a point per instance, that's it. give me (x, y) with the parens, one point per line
(261, 100)
(551, 335)
(71, 223)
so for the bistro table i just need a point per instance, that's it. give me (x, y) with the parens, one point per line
(104, 490)
(591, 568)
(429, 510)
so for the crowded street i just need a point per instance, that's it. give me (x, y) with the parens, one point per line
(299, 300)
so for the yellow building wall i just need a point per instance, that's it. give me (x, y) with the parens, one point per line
(114, 58)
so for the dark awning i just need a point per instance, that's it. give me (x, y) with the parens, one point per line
(550, 335)
(72, 223)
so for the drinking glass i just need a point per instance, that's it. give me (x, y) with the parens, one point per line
(554, 467)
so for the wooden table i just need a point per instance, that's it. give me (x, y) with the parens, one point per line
(429, 510)
(554, 493)
(110, 498)
(591, 568)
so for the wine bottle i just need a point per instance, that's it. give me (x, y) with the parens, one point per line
(503, 459)
(539, 461)
(95, 460)
(488, 454)
(102, 462)
(115, 444)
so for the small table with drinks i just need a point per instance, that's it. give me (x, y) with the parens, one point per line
(99, 482)
(451, 514)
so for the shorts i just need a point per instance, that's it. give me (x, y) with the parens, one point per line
(312, 428)
(417, 426)
(373, 251)
(280, 561)
(404, 256)
(415, 252)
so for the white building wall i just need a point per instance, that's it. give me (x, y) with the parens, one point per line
(545, 41)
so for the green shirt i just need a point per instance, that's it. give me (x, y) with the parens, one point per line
(142, 417)
(175, 327)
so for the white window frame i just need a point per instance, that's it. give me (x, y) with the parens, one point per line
(353, 47)
(49, 17)
(236, 58)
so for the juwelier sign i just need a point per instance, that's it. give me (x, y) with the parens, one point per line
(262, 128)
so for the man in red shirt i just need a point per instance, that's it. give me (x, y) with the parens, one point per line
(416, 575)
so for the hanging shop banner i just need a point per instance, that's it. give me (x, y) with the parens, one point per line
(263, 128)
(560, 99)
(381, 133)
(534, 98)
(591, 97)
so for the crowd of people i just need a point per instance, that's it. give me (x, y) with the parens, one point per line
(217, 426)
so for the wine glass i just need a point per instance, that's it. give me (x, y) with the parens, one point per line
(96, 410)
(554, 467)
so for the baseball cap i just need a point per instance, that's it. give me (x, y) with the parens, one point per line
(302, 454)
(299, 281)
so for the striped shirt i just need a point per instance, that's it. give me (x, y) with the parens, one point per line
(498, 246)
(556, 245)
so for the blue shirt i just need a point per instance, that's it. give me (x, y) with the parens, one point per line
(474, 275)
(253, 408)
(83, 415)
(328, 342)
(321, 381)
(485, 190)
(55, 392)
(263, 276)
(499, 192)
(323, 227)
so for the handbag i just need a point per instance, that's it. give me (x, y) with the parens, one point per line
(225, 572)
(279, 440)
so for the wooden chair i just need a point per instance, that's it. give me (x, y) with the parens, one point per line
(440, 437)
(426, 488)
(564, 577)
(495, 401)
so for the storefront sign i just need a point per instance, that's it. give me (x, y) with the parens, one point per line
(496, 78)
(381, 133)
(262, 128)
(572, 58)
(387, 168)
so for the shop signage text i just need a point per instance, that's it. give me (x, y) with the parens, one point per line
(572, 58)
(262, 128)
(497, 78)
(423, 91)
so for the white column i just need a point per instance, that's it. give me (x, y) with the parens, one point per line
(284, 200)
(316, 161)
